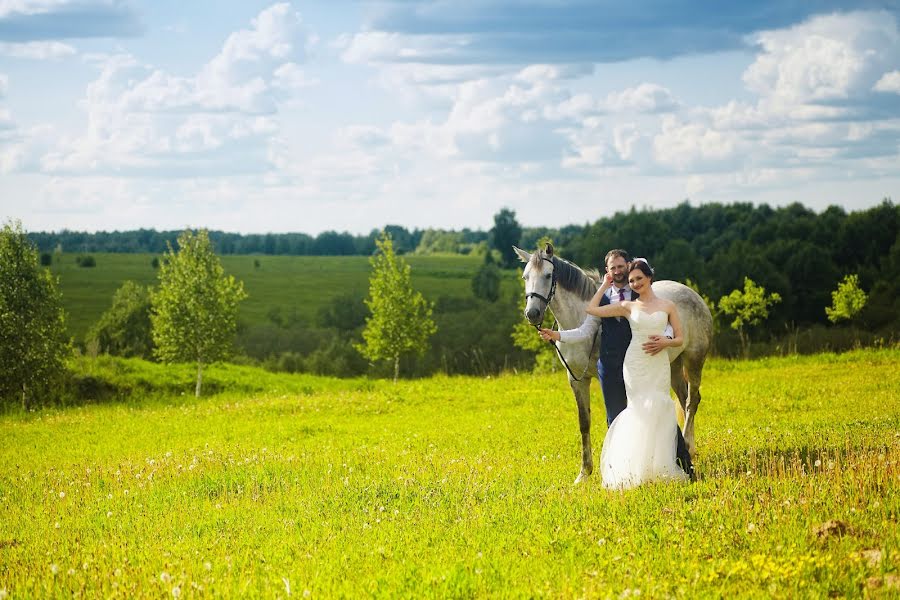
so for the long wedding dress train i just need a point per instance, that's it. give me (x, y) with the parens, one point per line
(641, 441)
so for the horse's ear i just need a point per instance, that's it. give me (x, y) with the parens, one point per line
(548, 250)
(523, 256)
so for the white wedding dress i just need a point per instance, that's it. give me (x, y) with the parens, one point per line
(640, 444)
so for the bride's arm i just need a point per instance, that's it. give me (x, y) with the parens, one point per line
(620, 309)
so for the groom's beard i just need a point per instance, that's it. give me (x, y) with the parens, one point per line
(619, 280)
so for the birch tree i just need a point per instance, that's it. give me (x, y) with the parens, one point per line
(400, 321)
(194, 309)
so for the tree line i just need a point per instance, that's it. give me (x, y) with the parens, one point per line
(778, 277)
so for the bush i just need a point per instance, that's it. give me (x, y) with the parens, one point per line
(86, 261)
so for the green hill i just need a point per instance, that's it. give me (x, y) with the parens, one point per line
(294, 286)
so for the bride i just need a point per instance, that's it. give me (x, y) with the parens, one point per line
(640, 443)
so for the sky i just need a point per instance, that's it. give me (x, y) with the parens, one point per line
(346, 115)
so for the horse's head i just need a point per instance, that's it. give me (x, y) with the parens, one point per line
(540, 282)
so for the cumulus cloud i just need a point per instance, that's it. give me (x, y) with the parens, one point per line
(143, 120)
(826, 61)
(889, 82)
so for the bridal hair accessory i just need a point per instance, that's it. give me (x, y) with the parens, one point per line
(644, 260)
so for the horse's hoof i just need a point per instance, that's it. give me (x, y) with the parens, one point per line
(582, 477)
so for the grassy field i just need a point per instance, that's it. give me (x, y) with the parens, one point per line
(303, 283)
(450, 487)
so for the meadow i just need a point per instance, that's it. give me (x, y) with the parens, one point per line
(294, 485)
(285, 283)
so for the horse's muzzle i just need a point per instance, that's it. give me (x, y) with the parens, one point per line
(534, 316)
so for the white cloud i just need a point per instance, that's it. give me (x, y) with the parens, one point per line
(144, 120)
(646, 98)
(37, 50)
(889, 82)
(827, 58)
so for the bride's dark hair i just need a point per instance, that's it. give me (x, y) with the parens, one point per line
(641, 266)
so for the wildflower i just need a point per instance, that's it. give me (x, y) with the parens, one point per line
(164, 577)
(108, 514)
(207, 565)
(56, 525)
(818, 463)
(62, 494)
(54, 569)
(176, 591)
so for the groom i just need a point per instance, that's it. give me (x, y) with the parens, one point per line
(615, 335)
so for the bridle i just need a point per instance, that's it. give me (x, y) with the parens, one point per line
(549, 297)
(546, 302)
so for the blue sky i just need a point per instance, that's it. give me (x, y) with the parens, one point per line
(350, 115)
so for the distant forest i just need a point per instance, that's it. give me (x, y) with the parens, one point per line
(791, 250)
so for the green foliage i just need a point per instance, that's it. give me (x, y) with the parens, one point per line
(439, 241)
(86, 261)
(33, 344)
(194, 310)
(748, 307)
(449, 487)
(847, 300)
(124, 329)
(401, 321)
(46, 259)
(505, 234)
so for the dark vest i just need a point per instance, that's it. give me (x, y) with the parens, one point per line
(615, 334)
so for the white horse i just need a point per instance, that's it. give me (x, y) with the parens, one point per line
(565, 288)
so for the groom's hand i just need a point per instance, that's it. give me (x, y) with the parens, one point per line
(654, 345)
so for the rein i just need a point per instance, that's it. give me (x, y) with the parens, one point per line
(537, 327)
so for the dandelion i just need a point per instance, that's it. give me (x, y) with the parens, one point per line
(176, 591)
(601, 541)
(54, 569)
(62, 494)
(117, 572)
(56, 525)
(207, 565)
(108, 514)
(307, 593)
(164, 577)
(818, 463)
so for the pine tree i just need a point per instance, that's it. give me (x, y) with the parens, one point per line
(33, 344)
(400, 322)
(194, 310)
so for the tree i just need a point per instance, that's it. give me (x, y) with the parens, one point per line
(33, 345)
(401, 321)
(194, 310)
(486, 283)
(124, 329)
(749, 307)
(847, 300)
(504, 235)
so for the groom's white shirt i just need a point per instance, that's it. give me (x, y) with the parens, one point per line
(591, 323)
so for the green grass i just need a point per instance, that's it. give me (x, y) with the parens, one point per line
(303, 283)
(449, 487)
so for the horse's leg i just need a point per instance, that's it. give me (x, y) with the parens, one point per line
(679, 384)
(694, 372)
(582, 391)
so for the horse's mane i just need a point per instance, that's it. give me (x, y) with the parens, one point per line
(569, 275)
